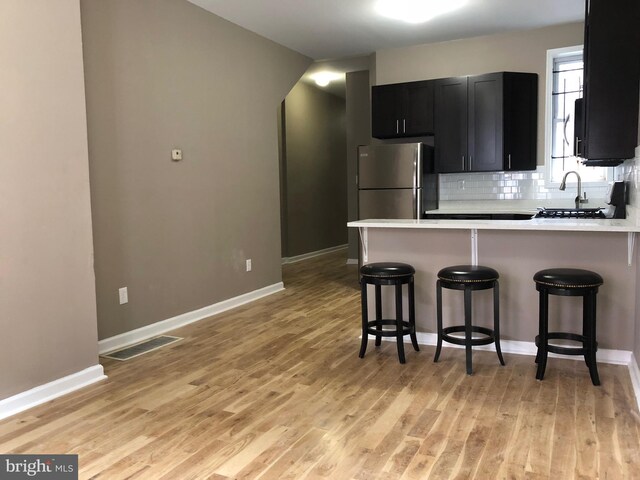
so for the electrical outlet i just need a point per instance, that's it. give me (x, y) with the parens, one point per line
(176, 155)
(249, 265)
(123, 294)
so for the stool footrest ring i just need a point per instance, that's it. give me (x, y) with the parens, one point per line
(562, 349)
(457, 340)
(407, 328)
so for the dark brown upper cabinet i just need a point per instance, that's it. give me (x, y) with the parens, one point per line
(486, 123)
(609, 126)
(402, 109)
(450, 120)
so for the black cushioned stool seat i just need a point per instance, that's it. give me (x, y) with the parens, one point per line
(395, 274)
(468, 278)
(568, 282)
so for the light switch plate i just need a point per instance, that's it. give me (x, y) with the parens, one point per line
(123, 295)
(176, 154)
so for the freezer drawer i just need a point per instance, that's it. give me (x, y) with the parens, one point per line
(393, 203)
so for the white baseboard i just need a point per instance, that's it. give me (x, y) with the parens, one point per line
(634, 373)
(49, 391)
(617, 357)
(305, 256)
(143, 333)
(352, 261)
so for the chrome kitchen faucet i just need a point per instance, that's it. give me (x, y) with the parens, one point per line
(579, 198)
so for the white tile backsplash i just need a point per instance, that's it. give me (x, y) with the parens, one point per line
(629, 171)
(518, 185)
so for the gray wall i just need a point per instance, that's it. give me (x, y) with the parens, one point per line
(358, 133)
(521, 51)
(316, 171)
(165, 74)
(47, 290)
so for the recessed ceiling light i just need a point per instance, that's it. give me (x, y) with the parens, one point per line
(416, 11)
(323, 79)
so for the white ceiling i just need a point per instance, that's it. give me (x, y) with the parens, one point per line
(331, 29)
(340, 34)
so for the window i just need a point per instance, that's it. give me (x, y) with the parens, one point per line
(564, 87)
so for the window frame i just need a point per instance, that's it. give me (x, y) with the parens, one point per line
(553, 54)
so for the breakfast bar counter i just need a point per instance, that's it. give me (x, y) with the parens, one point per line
(538, 224)
(517, 249)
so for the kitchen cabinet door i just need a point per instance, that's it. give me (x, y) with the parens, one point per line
(385, 111)
(486, 123)
(485, 120)
(503, 122)
(418, 108)
(450, 124)
(612, 75)
(402, 110)
(520, 121)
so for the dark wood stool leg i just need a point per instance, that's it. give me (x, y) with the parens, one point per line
(365, 318)
(585, 330)
(378, 313)
(399, 327)
(438, 320)
(467, 329)
(496, 321)
(412, 316)
(589, 320)
(541, 357)
(540, 318)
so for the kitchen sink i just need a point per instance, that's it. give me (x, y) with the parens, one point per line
(477, 216)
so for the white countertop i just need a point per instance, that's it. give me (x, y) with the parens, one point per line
(539, 224)
(511, 206)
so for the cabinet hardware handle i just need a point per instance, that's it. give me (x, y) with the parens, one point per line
(470, 160)
(397, 126)
(404, 126)
(463, 164)
(509, 161)
(577, 146)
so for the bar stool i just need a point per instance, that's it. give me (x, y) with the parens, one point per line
(388, 273)
(568, 282)
(468, 278)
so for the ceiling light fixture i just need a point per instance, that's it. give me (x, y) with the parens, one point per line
(416, 11)
(323, 79)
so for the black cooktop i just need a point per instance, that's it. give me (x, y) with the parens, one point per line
(570, 213)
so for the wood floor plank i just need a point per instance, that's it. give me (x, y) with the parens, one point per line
(401, 457)
(493, 462)
(563, 452)
(275, 390)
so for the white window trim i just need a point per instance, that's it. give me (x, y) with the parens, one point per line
(551, 55)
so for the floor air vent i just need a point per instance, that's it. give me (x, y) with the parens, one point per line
(141, 348)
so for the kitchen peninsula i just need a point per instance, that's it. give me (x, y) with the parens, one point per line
(518, 249)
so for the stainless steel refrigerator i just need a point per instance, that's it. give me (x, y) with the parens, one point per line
(396, 181)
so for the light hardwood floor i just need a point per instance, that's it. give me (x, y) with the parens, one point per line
(275, 390)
